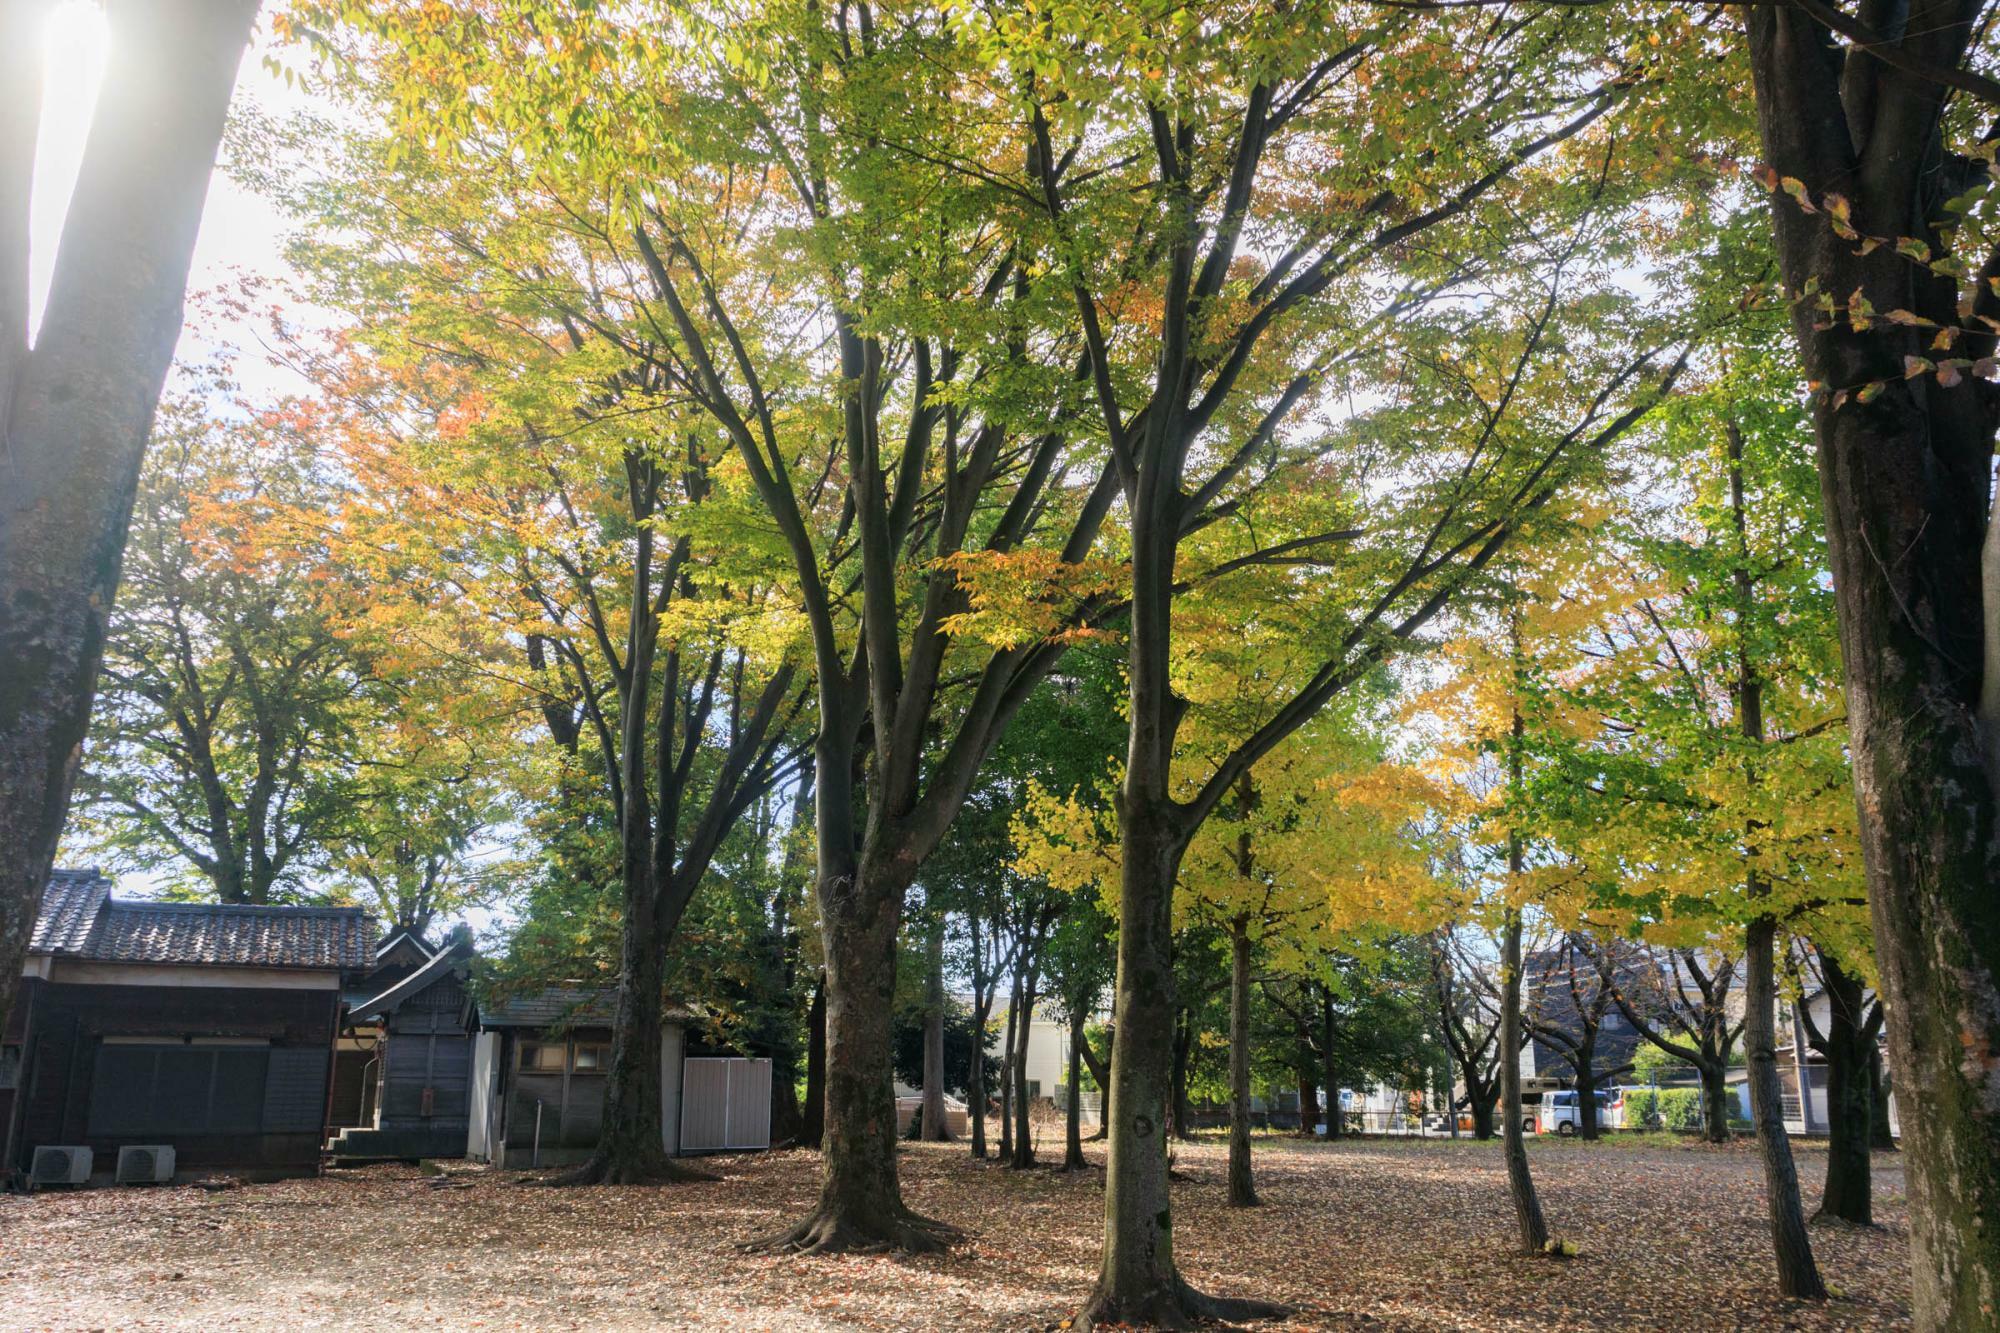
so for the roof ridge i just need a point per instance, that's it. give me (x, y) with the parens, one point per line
(174, 905)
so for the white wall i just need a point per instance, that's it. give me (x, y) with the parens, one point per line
(673, 1044)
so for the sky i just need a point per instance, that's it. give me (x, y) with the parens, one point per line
(241, 232)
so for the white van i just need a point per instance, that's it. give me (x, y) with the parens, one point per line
(1562, 1112)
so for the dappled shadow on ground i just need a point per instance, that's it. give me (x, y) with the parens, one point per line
(1392, 1234)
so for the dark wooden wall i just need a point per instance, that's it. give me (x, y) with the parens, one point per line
(269, 1119)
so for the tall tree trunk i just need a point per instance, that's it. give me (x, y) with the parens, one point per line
(76, 411)
(1100, 1074)
(1024, 1139)
(1848, 1192)
(1717, 1101)
(1073, 1112)
(1332, 1078)
(629, 1149)
(1007, 1089)
(1138, 1282)
(1915, 557)
(1242, 1188)
(975, 1093)
(1482, 1118)
(861, 1204)
(1586, 1101)
(1183, 1109)
(934, 1128)
(1798, 1275)
(812, 1128)
(1881, 1137)
(1531, 1229)
(1308, 1104)
(788, 1117)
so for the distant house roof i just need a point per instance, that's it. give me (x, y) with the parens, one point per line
(80, 919)
(392, 993)
(560, 1007)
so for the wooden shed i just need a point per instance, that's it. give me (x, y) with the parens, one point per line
(402, 1079)
(202, 1027)
(539, 1068)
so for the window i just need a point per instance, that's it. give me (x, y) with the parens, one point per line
(554, 1057)
(10, 1067)
(177, 1089)
(542, 1056)
(1034, 1089)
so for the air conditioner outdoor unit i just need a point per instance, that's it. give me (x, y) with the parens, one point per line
(59, 1166)
(145, 1164)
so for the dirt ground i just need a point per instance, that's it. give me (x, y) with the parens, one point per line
(1377, 1235)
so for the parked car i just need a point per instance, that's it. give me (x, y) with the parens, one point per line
(1562, 1112)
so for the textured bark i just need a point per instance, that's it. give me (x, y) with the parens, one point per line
(1024, 1139)
(1718, 1102)
(1138, 1282)
(1904, 480)
(1100, 1074)
(1007, 1089)
(1881, 1137)
(1847, 1043)
(76, 411)
(1182, 1109)
(1308, 1104)
(934, 1128)
(1791, 1247)
(861, 1205)
(812, 1124)
(1332, 1076)
(1073, 1127)
(1242, 1187)
(629, 1149)
(1531, 1229)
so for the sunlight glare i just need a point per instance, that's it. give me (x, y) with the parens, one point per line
(73, 52)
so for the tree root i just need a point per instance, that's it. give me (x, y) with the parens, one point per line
(661, 1170)
(1175, 1305)
(831, 1231)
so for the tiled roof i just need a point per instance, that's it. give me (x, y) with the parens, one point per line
(561, 1007)
(70, 906)
(80, 919)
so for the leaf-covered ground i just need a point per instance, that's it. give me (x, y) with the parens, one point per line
(1380, 1235)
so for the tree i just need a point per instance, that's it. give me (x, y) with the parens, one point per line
(948, 471)
(1704, 797)
(1867, 124)
(1847, 1042)
(250, 740)
(76, 407)
(1468, 1020)
(1678, 1000)
(1209, 122)
(1574, 984)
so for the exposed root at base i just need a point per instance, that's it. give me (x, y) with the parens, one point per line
(1176, 1305)
(1822, 1218)
(603, 1171)
(830, 1232)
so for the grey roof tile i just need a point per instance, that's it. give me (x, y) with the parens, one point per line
(79, 919)
(70, 907)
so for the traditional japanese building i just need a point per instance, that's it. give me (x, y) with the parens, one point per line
(205, 1028)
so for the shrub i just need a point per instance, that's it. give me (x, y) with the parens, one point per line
(1642, 1108)
(1680, 1108)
